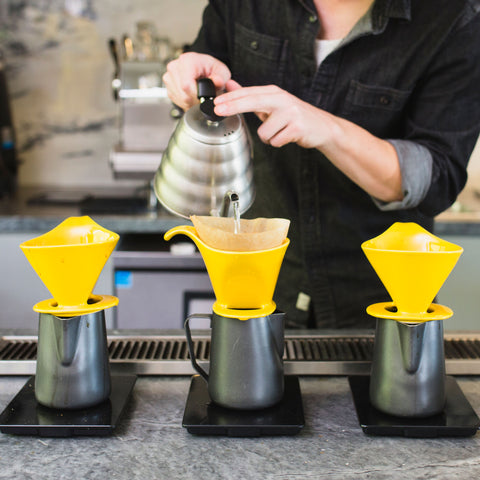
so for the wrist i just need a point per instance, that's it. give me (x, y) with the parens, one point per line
(332, 134)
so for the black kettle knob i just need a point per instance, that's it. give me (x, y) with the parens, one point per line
(206, 88)
(206, 92)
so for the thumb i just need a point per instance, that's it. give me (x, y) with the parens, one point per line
(220, 75)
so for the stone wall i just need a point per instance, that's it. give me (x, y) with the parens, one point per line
(59, 73)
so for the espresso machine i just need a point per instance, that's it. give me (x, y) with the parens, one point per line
(408, 392)
(8, 156)
(146, 116)
(72, 392)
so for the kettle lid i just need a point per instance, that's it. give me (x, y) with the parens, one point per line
(203, 130)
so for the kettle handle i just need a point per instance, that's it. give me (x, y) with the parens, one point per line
(188, 334)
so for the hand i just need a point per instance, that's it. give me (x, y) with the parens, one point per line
(286, 118)
(370, 162)
(182, 73)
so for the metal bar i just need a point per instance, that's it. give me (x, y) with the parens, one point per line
(305, 354)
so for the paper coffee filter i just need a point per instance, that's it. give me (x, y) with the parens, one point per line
(256, 234)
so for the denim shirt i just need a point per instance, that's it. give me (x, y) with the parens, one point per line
(408, 72)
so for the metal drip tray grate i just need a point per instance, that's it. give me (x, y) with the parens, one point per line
(305, 353)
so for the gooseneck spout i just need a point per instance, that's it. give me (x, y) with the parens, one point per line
(230, 198)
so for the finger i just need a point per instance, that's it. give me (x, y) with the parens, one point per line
(243, 104)
(182, 74)
(180, 84)
(271, 127)
(179, 97)
(178, 87)
(198, 65)
(281, 138)
(238, 93)
(220, 77)
(232, 85)
(262, 116)
(247, 99)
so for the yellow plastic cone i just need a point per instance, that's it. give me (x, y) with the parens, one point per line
(243, 282)
(69, 259)
(412, 264)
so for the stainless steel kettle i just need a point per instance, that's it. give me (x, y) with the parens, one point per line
(206, 157)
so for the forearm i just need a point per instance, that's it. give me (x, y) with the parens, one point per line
(370, 162)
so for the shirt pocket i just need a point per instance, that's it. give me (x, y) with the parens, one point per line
(376, 108)
(258, 59)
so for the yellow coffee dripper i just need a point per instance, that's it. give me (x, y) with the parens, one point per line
(412, 264)
(243, 282)
(69, 259)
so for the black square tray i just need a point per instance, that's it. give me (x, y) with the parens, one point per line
(25, 416)
(203, 417)
(458, 418)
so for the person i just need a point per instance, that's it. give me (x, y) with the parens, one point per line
(363, 113)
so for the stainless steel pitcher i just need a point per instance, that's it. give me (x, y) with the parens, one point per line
(246, 360)
(73, 369)
(408, 368)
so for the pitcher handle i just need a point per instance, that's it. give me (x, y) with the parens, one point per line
(188, 334)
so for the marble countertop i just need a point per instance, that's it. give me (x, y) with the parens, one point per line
(20, 214)
(150, 443)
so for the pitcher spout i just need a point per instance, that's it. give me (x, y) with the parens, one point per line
(66, 331)
(411, 343)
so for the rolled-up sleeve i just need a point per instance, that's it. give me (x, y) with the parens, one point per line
(446, 112)
(416, 170)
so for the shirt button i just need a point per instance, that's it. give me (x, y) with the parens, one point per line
(384, 100)
(254, 45)
(312, 18)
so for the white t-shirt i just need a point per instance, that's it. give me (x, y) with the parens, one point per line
(323, 48)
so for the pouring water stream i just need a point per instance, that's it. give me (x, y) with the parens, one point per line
(232, 198)
(236, 215)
